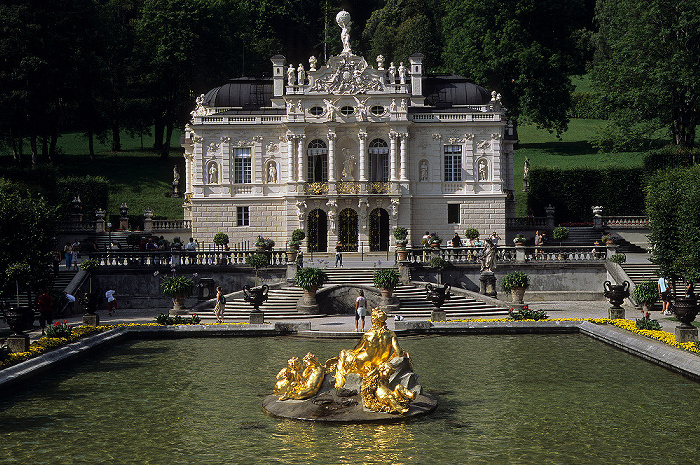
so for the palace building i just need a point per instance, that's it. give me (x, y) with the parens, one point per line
(347, 151)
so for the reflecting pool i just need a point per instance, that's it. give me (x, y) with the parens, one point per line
(559, 399)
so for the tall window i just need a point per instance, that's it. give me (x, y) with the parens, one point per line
(241, 165)
(378, 160)
(242, 216)
(453, 163)
(317, 158)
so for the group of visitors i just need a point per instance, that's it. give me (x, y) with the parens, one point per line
(46, 304)
(70, 254)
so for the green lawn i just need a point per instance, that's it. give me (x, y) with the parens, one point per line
(571, 151)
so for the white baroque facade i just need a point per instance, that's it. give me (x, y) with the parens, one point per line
(346, 152)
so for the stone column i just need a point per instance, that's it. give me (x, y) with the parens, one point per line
(290, 157)
(363, 155)
(189, 157)
(331, 156)
(301, 161)
(392, 156)
(404, 156)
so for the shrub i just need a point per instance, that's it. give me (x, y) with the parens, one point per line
(298, 235)
(560, 233)
(257, 260)
(514, 280)
(646, 292)
(400, 233)
(265, 243)
(647, 323)
(309, 277)
(89, 265)
(526, 314)
(221, 239)
(471, 233)
(165, 319)
(438, 263)
(385, 278)
(177, 286)
(618, 258)
(520, 238)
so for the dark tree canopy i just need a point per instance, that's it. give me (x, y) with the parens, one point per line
(524, 49)
(647, 68)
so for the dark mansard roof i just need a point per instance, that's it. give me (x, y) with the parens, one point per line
(247, 93)
(440, 91)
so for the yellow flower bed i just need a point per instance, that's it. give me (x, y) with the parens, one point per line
(662, 336)
(46, 344)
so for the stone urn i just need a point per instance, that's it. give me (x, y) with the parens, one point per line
(89, 301)
(402, 254)
(19, 319)
(255, 296)
(178, 305)
(292, 255)
(437, 295)
(616, 293)
(517, 294)
(686, 309)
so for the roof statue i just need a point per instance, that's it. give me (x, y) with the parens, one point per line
(343, 20)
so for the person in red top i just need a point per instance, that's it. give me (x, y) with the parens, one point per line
(45, 308)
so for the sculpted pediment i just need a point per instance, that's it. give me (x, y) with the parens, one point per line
(346, 75)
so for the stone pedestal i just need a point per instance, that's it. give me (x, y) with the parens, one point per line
(390, 305)
(488, 283)
(91, 319)
(438, 315)
(124, 223)
(18, 343)
(256, 318)
(616, 313)
(685, 334)
(307, 304)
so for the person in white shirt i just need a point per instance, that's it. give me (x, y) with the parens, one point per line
(111, 301)
(360, 309)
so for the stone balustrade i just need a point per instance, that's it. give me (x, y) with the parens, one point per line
(626, 222)
(176, 258)
(466, 255)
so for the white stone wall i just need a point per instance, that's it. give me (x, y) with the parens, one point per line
(268, 218)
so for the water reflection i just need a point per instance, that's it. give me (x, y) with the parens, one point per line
(506, 399)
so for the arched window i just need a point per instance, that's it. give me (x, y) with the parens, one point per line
(317, 161)
(378, 160)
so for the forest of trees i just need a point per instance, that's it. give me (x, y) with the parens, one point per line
(106, 66)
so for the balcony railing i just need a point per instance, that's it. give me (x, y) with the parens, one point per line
(379, 187)
(183, 258)
(626, 222)
(466, 255)
(316, 188)
(347, 187)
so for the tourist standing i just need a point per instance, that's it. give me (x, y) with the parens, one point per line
(68, 255)
(111, 301)
(456, 243)
(495, 238)
(71, 302)
(339, 254)
(74, 255)
(360, 309)
(45, 304)
(538, 243)
(220, 305)
(665, 293)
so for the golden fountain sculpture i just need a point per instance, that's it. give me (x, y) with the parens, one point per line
(370, 359)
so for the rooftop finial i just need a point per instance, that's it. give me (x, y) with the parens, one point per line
(343, 20)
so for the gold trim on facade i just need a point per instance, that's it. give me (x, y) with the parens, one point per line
(348, 187)
(316, 188)
(379, 187)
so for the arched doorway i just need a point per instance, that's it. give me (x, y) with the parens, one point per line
(347, 229)
(378, 230)
(317, 227)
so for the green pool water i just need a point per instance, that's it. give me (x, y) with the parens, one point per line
(526, 399)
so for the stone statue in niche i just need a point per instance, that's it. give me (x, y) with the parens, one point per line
(291, 76)
(392, 73)
(348, 165)
(392, 106)
(482, 170)
(424, 170)
(402, 73)
(213, 174)
(312, 63)
(331, 108)
(380, 62)
(272, 173)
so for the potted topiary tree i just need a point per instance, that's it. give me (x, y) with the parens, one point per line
(220, 239)
(471, 234)
(385, 279)
(516, 282)
(264, 244)
(309, 279)
(400, 234)
(294, 244)
(560, 233)
(178, 288)
(646, 294)
(519, 240)
(257, 261)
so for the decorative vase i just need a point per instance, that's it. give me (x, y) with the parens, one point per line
(520, 244)
(435, 245)
(178, 305)
(291, 256)
(686, 309)
(255, 296)
(19, 319)
(616, 293)
(402, 254)
(311, 293)
(517, 294)
(437, 295)
(386, 292)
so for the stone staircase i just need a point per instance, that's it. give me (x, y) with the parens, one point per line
(118, 238)
(281, 303)
(60, 282)
(640, 272)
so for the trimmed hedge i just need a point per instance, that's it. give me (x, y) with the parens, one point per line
(574, 191)
(93, 192)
